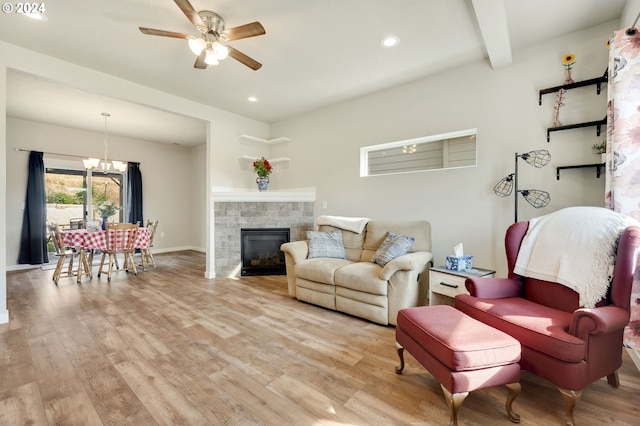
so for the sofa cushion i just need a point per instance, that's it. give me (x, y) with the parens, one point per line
(394, 245)
(321, 270)
(377, 232)
(362, 276)
(352, 241)
(325, 244)
(536, 326)
(374, 308)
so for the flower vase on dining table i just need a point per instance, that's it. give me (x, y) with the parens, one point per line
(104, 223)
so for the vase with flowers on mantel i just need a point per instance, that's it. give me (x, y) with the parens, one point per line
(263, 168)
(263, 183)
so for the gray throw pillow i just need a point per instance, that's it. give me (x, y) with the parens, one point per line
(326, 244)
(394, 245)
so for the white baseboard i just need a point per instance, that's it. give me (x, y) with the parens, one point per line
(24, 267)
(53, 264)
(167, 250)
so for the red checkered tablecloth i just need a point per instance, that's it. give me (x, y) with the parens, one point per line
(98, 240)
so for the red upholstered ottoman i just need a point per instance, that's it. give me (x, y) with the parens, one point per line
(462, 353)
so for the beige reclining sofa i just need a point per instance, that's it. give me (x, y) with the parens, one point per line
(355, 284)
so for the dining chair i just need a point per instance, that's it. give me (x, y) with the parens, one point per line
(145, 253)
(120, 238)
(76, 223)
(62, 253)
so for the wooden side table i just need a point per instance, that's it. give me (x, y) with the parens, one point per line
(445, 284)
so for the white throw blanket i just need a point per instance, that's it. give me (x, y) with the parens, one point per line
(353, 224)
(576, 247)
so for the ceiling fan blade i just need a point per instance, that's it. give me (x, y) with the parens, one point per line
(190, 12)
(163, 33)
(241, 57)
(244, 31)
(200, 63)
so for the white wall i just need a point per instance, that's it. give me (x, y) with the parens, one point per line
(198, 195)
(460, 204)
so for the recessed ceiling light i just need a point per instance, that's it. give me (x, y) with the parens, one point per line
(36, 16)
(252, 99)
(390, 41)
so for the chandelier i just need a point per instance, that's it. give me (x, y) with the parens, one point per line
(105, 166)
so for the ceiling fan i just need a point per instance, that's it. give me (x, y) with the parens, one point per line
(209, 47)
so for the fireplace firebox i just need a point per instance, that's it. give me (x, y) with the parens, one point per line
(260, 251)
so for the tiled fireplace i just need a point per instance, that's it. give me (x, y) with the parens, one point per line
(273, 209)
(260, 251)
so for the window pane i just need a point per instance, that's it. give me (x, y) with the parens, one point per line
(450, 150)
(107, 188)
(65, 196)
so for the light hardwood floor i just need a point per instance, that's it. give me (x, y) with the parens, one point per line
(170, 347)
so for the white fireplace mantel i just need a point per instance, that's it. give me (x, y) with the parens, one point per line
(253, 195)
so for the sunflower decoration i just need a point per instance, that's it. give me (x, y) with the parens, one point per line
(568, 60)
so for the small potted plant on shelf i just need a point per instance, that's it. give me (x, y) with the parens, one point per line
(600, 149)
(263, 168)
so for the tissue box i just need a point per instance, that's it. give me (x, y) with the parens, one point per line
(461, 263)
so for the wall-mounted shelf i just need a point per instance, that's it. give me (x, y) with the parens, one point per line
(272, 161)
(598, 166)
(276, 141)
(278, 164)
(597, 81)
(597, 123)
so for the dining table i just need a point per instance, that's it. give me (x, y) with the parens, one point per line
(85, 241)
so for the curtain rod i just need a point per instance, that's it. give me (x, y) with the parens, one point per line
(631, 31)
(56, 153)
(50, 153)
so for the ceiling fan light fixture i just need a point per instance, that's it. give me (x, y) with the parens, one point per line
(220, 50)
(197, 45)
(210, 58)
(213, 35)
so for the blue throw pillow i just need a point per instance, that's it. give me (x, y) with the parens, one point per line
(326, 244)
(394, 245)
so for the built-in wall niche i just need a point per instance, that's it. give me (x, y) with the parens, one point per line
(436, 152)
(246, 161)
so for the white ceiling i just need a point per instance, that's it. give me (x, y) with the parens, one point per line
(314, 53)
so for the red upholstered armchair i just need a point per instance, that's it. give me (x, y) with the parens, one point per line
(569, 346)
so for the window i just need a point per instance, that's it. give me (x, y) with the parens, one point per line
(444, 151)
(68, 201)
